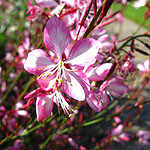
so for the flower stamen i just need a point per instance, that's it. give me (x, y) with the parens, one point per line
(65, 106)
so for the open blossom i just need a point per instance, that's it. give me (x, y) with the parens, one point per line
(115, 87)
(144, 67)
(99, 99)
(66, 71)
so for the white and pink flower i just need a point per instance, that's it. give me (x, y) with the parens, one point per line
(66, 71)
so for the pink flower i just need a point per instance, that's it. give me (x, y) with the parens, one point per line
(119, 135)
(98, 99)
(144, 137)
(144, 67)
(65, 71)
(80, 5)
(34, 11)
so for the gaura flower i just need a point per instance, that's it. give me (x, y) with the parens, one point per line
(145, 70)
(144, 67)
(34, 11)
(65, 71)
(99, 99)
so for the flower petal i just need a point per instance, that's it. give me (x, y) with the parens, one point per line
(116, 87)
(83, 52)
(141, 67)
(93, 102)
(98, 103)
(44, 106)
(47, 83)
(100, 72)
(75, 86)
(56, 36)
(36, 60)
(47, 3)
(147, 64)
(104, 100)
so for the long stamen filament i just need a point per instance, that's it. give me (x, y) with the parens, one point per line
(65, 106)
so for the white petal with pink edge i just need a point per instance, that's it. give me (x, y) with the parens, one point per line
(75, 86)
(36, 60)
(56, 36)
(84, 52)
(44, 106)
(100, 72)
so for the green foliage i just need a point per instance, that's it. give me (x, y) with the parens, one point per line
(135, 14)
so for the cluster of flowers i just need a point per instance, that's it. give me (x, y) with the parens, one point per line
(80, 72)
(71, 67)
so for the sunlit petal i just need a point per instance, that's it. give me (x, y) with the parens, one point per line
(56, 36)
(74, 86)
(84, 52)
(36, 60)
(44, 106)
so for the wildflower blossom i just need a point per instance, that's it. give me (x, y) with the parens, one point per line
(98, 99)
(34, 11)
(144, 67)
(64, 72)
